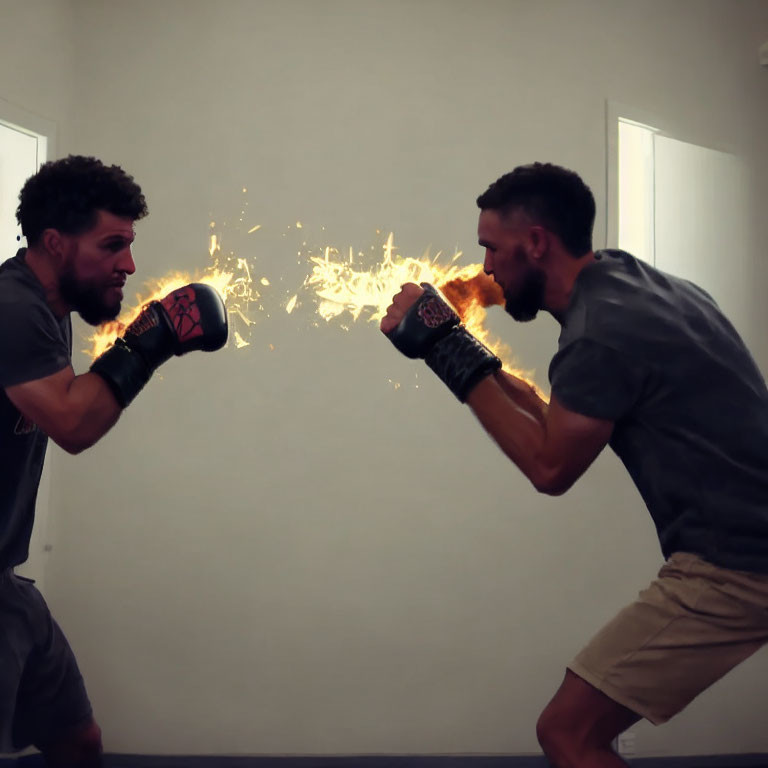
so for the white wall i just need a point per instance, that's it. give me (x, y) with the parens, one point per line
(37, 43)
(277, 552)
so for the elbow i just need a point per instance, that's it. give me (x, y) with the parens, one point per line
(71, 446)
(551, 489)
(71, 436)
(550, 482)
(554, 490)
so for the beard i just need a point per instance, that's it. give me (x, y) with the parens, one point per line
(87, 299)
(529, 299)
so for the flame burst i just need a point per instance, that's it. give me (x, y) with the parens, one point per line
(157, 289)
(341, 286)
(232, 279)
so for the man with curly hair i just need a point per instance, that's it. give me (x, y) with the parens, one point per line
(78, 217)
(647, 364)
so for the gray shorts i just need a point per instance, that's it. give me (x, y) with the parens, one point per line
(42, 694)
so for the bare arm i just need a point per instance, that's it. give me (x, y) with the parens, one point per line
(552, 446)
(74, 411)
(523, 393)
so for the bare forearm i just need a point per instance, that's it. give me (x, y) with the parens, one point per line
(550, 444)
(74, 411)
(516, 422)
(92, 412)
(523, 393)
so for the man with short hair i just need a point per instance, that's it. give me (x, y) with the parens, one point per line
(78, 217)
(649, 365)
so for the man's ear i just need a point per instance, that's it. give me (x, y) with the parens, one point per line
(539, 238)
(53, 243)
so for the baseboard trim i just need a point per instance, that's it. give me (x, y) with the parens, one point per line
(387, 761)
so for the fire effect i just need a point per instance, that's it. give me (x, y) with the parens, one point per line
(108, 332)
(342, 286)
(353, 286)
(230, 276)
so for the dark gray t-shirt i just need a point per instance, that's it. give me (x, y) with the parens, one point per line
(33, 344)
(654, 354)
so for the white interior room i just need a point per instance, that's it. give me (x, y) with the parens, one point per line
(305, 545)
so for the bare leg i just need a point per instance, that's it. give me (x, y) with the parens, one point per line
(578, 726)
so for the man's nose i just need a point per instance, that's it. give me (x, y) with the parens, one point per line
(126, 263)
(488, 263)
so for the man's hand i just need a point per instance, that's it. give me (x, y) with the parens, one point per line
(401, 303)
(422, 324)
(190, 318)
(424, 320)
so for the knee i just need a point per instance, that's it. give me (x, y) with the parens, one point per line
(564, 734)
(551, 732)
(79, 747)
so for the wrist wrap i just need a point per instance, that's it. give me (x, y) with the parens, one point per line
(130, 362)
(461, 361)
(124, 370)
(189, 318)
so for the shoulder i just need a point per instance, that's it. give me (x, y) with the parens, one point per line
(17, 281)
(609, 299)
(614, 274)
(24, 307)
(26, 319)
(20, 292)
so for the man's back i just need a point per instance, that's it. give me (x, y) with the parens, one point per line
(654, 354)
(33, 343)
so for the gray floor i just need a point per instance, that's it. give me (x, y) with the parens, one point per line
(404, 761)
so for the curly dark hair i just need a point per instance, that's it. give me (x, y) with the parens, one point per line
(552, 196)
(67, 195)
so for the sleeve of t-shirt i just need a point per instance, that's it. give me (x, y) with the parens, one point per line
(595, 380)
(32, 344)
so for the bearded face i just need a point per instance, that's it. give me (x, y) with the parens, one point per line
(94, 300)
(514, 268)
(94, 266)
(525, 301)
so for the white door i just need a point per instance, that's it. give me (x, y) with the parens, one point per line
(19, 159)
(701, 214)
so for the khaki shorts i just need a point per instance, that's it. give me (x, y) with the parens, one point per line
(685, 631)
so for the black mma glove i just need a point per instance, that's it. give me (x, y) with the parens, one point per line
(189, 318)
(431, 330)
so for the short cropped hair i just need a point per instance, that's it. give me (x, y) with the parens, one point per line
(552, 196)
(67, 195)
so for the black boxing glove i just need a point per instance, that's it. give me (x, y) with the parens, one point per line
(187, 319)
(429, 319)
(430, 329)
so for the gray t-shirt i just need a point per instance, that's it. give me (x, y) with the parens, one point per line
(33, 344)
(654, 354)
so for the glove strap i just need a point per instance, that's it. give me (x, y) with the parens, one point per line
(124, 370)
(461, 361)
